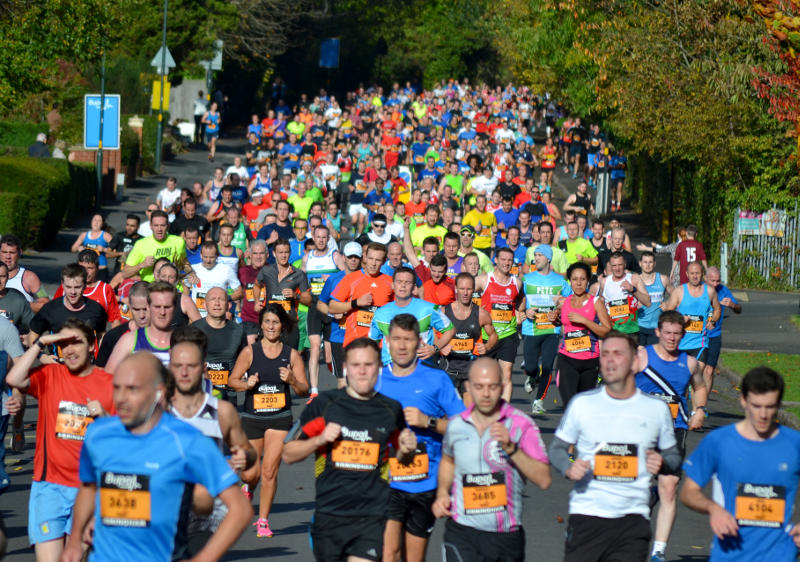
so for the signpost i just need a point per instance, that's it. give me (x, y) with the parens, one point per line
(163, 61)
(213, 64)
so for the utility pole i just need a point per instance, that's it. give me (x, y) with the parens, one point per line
(99, 195)
(162, 71)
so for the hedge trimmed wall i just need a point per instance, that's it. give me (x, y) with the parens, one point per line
(37, 195)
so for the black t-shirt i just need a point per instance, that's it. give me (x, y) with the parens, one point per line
(350, 484)
(508, 189)
(181, 222)
(52, 316)
(630, 261)
(224, 346)
(109, 341)
(121, 242)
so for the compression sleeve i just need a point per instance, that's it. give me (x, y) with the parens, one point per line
(671, 459)
(559, 455)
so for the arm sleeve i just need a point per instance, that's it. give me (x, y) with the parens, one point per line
(671, 458)
(559, 455)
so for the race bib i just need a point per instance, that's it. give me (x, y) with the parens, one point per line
(218, 374)
(543, 322)
(577, 341)
(355, 455)
(695, 324)
(280, 301)
(72, 421)
(617, 462)
(618, 309)
(462, 345)
(269, 402)
(672, 401)
(502, 313)
(125, 500)
(760, 505)
(316, 285)
(364, 317)
(484, 493)
(200, 301)
(417, 470)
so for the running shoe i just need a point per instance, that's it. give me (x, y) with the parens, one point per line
(538, 407)
(658, 557)
(528, 386)
(311, 398)
(246, 491)
(262, 529)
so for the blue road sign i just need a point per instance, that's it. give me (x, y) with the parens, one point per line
(91, 121)
(329, 53)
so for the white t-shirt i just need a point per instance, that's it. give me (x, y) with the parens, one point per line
(241, 170)
(628, 428)
(144, 229)
(484, 185)
(220, 275)
(200, 106)
(332, 116)
(167, 198)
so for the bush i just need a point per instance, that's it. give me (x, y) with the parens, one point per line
(38, 194)
(20, 133)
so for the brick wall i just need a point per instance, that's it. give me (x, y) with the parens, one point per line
(112, 165)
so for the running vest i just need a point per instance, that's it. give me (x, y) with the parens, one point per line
(231, 260)
(466, 334)
(584, 201)
(668, 381)
(213, 122)
(318, 269)
(265, 185)
(240, 238)
(335, 222)
(143, 343)
(578, 341)
(499, 300)
(648, 317)
(206, 419)
(271, 397)
(455, 269)
(95, 244)
(548, 157)
(697, 309)
(214, 191)
(622, 307)
(16, 283)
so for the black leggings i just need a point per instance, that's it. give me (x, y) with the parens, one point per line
(534, 347)
(576, 375)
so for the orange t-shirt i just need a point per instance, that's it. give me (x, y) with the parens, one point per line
(441, 294)
(355, 285)
(63, 418)
(416, 211)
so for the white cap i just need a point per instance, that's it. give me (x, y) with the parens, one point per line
(352, 249)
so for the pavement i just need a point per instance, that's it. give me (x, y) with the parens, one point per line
(763, 325)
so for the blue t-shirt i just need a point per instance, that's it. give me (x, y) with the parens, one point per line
(722, 293)
(140, 482)
(508, 219)
(426, 173)
(337, 332)
(193, 256)
(293, 151)
(429, 316)
(748, 469)
(418, 151)
(432, 392)
(542, 292)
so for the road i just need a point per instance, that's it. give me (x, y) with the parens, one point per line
(544, 512)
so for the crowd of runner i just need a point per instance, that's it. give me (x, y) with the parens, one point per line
(409, 241)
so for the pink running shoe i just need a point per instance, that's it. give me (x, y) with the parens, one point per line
(262, 528)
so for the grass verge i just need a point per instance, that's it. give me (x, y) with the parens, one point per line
(786, 364)
(796, 320)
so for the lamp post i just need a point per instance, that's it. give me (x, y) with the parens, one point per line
(98, 200)
(162, 71)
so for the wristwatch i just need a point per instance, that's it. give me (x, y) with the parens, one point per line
(699, 408)
(432, 422)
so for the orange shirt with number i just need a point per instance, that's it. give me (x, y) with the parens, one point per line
(358, 284)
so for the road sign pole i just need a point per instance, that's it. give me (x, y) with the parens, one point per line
(99, 194)
(162, 72)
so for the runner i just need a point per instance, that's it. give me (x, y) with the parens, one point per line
(185, 310)
(615, 431)
(500, 296)
(155, 338)
(96, 289)
(20, 278)
(657, 286)
(484, 224)
(481, 493)
(431, 321)
(352, 262)
(624, 293)
(755, 468)
(147, 457)
(140, 318)
(216, 419)
(666, 372)
(247, 277)
(688, 251)
(285, 285)
(160, 244)
(439, 290)
(540, 335)
(709, 357)
(226, 338)
(211, 273)
(13, 304)
(98, 240)
(361, 293)
(700, 308)
(122, 243)
(212, 121)
(71, 396)
(320, 263)
(584, 321)
(428, 400)
(349, 430)
(559, 261)
(617, 241)
(576, 248)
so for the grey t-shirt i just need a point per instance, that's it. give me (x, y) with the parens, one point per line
(296, 281)
(9, 338)
(15, 307)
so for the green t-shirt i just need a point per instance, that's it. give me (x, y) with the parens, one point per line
(172, 247)
(484, 262)
(296, 128)
(581, 247)
(423, 231)
(456, 183)
(316, 194)
(301, 205)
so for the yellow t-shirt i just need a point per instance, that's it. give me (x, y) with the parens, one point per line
(423, 231)
(482, 223)
(173, 248)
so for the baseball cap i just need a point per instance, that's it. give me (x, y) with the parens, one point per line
(545, 250)
(467, 228)
(352, 249)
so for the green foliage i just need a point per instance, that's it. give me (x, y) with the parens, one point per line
(38, 194)
(20, 133)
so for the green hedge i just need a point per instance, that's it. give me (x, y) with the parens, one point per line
(38, 194)
(20, 133)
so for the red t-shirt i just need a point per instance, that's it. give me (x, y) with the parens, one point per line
(63, 418)
(687, 252)
(355, 285)
(521, 198)
(416, 211)
(102, 294)
(250, 212)
(441, 294)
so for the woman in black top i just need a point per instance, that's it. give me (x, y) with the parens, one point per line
(266, 371)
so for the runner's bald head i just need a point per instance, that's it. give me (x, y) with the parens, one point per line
(484, 365)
